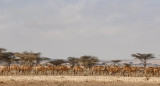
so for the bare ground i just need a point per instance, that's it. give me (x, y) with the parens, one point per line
(78, 81)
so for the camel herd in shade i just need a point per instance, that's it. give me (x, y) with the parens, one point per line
(79, 70)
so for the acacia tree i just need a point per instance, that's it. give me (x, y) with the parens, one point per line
(127, 65)
(40, 59)
(7, 57)
(2, 50)
(88, 61)
(143, 58)
(115, 62)
(57, 62)
(73, 61)
(27, 58)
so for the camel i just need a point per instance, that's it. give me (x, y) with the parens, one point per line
(126, 69)
(26, 69)
(114, 70)
(15, 68)
(98, 70)
(50, 69)
(149, 71)
(38, 69)
(77, 69)
(4, 70)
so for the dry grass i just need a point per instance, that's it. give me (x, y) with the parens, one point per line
(77, 81)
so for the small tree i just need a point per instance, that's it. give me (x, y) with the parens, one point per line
(57, 62)
(27, 58)
(40, 59)
(7, 57)
(115, 62)
(127, 65)
(73, 61)
(143, 58)
(88, 61)
(2, 50)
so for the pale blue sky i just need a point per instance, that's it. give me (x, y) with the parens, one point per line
(108, 29)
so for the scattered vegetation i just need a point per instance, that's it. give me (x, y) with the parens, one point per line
(115, 62)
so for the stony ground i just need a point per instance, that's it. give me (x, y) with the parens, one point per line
(78, 81)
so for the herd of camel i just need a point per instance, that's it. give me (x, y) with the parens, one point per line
(79, 70)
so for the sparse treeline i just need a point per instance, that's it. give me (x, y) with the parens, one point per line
(33, 59)
(33, 63)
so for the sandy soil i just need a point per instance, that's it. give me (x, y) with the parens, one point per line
(78, 81)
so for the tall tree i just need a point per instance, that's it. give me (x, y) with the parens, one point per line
(88, 61)
(115, 62)
(143, 58)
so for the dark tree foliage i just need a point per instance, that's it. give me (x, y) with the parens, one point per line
(73, 61)
(39, 59)
(88, 61)
(57, 62)
(28, 58)
(2, 50)
(115, 61)
(143, 58)
(7, 57)
(127, 65)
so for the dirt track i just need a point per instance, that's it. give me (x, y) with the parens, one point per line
(78, 81)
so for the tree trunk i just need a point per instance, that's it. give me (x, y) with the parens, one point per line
(144, 65)
(73, 64)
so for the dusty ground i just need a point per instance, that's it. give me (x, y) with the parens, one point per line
(78, 81)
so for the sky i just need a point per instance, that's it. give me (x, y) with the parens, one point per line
(108, 29)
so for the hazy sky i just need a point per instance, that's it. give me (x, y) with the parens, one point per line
(108, 29)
